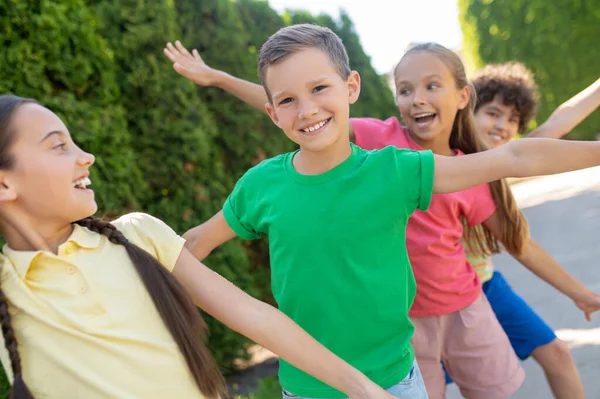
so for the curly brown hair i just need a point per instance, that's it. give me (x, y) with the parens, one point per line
(514, 83)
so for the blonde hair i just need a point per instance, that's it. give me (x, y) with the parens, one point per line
(514, 229)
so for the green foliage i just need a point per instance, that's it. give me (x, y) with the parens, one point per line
(268, 388)
(557, 40)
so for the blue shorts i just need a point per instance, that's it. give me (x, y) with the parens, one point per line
(524, 327)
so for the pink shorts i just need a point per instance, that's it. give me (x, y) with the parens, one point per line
(475, 350)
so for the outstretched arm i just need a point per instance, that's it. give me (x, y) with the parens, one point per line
(519, 158)
(191, 66)
(570, 113)
(270, 328)
(542, 264)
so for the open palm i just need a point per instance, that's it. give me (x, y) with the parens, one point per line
(190, 65)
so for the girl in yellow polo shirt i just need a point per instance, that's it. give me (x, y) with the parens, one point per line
(103, 310)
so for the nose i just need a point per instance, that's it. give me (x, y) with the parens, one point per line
(85, 159)
(307, 109)
(501, 123)
(418, 97)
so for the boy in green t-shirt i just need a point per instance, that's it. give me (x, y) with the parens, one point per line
(336, 214)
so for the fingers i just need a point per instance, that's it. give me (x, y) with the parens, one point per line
(196, 55)
(170, 54)
(182, 49)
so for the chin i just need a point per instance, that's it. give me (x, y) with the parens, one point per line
(86, 212)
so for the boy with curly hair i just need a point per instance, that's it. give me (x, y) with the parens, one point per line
(507, 99)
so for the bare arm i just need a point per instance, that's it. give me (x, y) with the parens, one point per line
(542, 264)
(191, 66)
(570, 113)
(270, 328)
(519, 158)
(202, 239)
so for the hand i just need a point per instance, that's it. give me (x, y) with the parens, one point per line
(588, 302)
(190, 65)
(373, 391)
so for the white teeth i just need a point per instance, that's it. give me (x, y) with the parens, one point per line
(315, 127)
(423, 115)
(82, 183)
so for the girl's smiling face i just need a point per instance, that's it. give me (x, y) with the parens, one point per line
(428, 98)
(50, 173)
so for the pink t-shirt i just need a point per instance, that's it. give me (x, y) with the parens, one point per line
(445, 280)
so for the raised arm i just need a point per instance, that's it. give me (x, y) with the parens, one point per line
(270, 328)
(570, 113)
(542, 264)
(519, 158)
(202, 239)
(191, 66)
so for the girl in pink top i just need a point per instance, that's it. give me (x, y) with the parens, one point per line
(454, 323)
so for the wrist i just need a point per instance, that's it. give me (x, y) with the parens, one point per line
(359, 386)
(579, 293)
(219, 79)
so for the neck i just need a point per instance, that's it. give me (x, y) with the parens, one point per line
(23, 235)
(309, 162)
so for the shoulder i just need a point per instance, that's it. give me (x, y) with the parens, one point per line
(374, 123)
(145, 230)
(139, 221)
(153, 235)
(268, 167)
(373, 133)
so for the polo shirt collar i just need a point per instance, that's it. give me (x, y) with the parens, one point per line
(22, 260)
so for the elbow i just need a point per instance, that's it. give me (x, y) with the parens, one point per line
(195, 244)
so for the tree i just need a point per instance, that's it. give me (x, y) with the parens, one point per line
(556, 40)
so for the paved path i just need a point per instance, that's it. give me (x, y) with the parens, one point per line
(564, 214)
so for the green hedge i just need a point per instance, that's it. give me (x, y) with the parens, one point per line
(557, 40)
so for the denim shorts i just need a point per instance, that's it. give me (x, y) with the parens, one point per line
(412, 387)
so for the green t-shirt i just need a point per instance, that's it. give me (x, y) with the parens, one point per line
(339, 263)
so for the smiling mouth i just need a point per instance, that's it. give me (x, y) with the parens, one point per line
(424, 119)
(316, 127)
(82, 184)
(495, 137)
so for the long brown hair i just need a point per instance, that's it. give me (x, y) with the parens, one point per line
(514, 229)
(174, 305)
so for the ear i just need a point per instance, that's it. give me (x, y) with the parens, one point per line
(272, 114)
(7, 190)
(463, 97)
(353, 84)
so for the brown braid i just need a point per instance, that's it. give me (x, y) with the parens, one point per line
(19, 389)
(176, 309)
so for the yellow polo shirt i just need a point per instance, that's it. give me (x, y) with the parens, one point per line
(85, 324)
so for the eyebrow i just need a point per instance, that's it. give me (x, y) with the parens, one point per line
(497, 109)
(48, 135)
(313, 82)
(425, 78)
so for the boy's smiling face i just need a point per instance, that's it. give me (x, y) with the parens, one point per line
(496, 122)
(310, 100)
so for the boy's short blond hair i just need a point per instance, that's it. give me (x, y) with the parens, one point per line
(291, 39)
